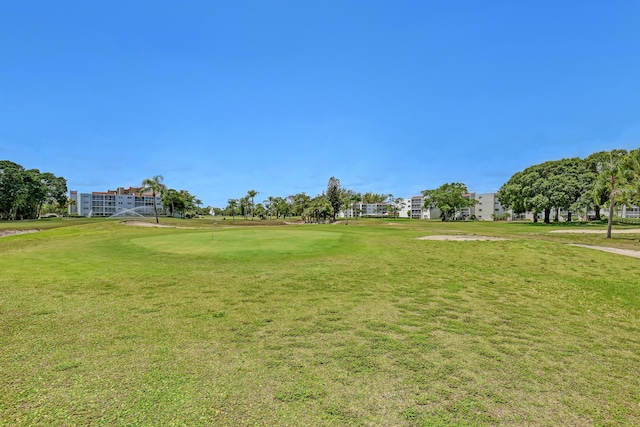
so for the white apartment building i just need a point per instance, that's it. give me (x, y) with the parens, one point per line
(628, 212)
(488, 207)
(123, 201)
(375, 210)
(418, 211)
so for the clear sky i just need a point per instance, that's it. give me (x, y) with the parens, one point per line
(221, 97)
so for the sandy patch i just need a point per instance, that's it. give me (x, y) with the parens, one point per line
(459, 237)
(5, 233)
(626, 252)
(589, 231)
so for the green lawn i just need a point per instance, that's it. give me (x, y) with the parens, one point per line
(222, 324)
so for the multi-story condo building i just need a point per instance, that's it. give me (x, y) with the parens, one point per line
(123, 201)
(418, 211)
(488, 207)
(628, 212)
(381, 209)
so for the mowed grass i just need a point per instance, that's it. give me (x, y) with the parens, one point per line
(106, 324)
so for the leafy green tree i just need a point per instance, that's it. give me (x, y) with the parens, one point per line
(282, 207)
(11, 188)
(185, 202)
(394, 205)
(449, 199)
(260, 211)
(171, 200)
(631, 163)
(300, 202)
(157, 188)
(23, 193)
(371, 198)
(319, 209)
(540, 188)
(599, 194)
(333, 196)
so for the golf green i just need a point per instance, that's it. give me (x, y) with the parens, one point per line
(242, 242)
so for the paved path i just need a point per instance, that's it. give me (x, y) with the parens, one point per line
(627, 252)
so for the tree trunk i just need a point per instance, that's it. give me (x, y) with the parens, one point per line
(547, 213)
(155, 208)
(611, 209)
(598, 217)
(569, 216)
(557, 216)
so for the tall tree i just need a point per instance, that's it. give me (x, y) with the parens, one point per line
(346, 203)
(611, 177)
(245, 207)
(355, 201)
(12, 188)
(333, 195)
(449, 199)
(395, 205)
(157, 188)
(260, 211)
(268, 205)
(319, 209)
(251, 194)
(632, 166)
(23, 192)
(300, 203)
(371, 198)
(232, 206)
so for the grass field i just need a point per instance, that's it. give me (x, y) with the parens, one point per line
(309, 325)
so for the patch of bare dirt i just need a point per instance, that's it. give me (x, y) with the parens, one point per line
(459, 237)
(589, 231)
(5, 233)
(626, 252)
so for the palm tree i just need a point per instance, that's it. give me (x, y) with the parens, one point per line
(232, 205)
(156, 187)
(357, 199)
(611, 178)
(632, 164)
(244, 207)
(252, 194)
(269, 205)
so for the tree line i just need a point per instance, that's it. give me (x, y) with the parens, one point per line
(173, 201)
(603, 179)
(323, 207)
(575, 185)
(26, 193)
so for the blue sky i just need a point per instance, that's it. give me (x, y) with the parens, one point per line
(221, 97)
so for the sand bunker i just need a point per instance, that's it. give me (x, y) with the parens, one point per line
(459, 237)
(626, 252)
(5, 233)
(591, 231)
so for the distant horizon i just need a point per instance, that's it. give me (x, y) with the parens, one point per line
(221, 98)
